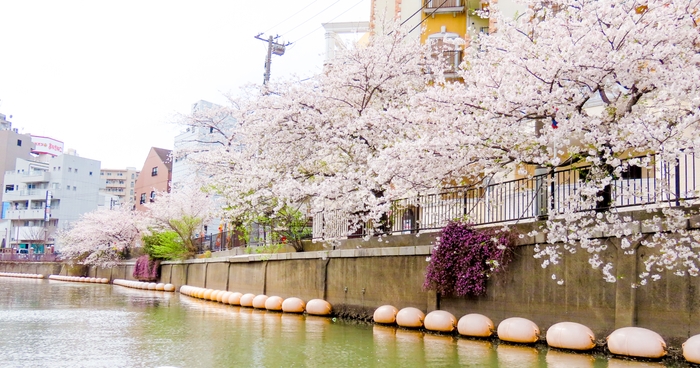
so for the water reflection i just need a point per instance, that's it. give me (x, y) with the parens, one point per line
(517, 356)
(61, 324)
(561, 359)
(626, 363)
(476, 353)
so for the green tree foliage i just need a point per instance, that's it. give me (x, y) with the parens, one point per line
(288, 225)
(166, 245)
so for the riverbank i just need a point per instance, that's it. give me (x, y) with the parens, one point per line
(356, 277)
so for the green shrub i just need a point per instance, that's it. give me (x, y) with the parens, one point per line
(166, 245)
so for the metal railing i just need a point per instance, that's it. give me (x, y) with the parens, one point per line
(432, 4)
(218, 242)
(647, 181)
(34, 257)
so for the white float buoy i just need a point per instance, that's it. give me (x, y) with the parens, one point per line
(476, 325)
(440, 321)
(691, 349)
(385, 314)
(234, 298)
(570, 335)
(293, 305)
(247, 300)
(636, 342)
(274, 303)
(259, 301)
(206, 295)
(319, 307)
(220, 295)
(410, 317)
(516, 329)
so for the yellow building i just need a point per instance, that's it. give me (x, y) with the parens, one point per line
(433, 21)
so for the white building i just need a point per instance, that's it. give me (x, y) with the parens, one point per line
(194, 139)
(46, 194)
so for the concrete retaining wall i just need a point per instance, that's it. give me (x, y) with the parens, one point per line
(369, 277)
(393, 273)
(44, 268)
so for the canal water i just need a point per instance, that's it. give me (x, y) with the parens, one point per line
(47, 323)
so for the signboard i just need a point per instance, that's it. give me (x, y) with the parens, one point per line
(46, 145)
(47, 207)
(5, 208)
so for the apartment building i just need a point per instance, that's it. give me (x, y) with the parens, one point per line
(13, 145)
(45, 194)
(155, 176)
(120, 186)
(435, 21)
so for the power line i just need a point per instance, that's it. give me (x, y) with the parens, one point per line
(317, 14)
(336, 17)
(412, 15)
(291, 16)
(427, 16)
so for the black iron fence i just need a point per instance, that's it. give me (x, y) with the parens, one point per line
(219, 242)
(647, 180)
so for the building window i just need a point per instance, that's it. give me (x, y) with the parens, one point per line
(143, 198)
(109, 174)
(19, 143)
(102, 174)
(444, 50)
(120, 174)
(153, 196)
(132, 175)
(633, 172)
(76, 170)
(90, 173)
(154, 171)
(9, 188)
(132, 192)
(67, 187)
(74, 188)
(70, 169)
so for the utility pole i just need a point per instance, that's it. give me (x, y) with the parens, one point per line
(272, 48)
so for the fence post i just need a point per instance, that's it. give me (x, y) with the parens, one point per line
(541, 206)
(678, 182)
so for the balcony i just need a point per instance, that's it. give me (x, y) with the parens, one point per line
(23, 195)
(34, 176)
(443, 6)
(25, 214)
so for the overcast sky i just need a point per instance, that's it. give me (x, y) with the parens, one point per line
(108, 77)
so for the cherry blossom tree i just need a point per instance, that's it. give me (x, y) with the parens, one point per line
(321, 141)
(573, 83)
(101, 238)
(602, 87)
(184, 211)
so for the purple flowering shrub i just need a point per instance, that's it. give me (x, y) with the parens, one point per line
(146, 269)
(464, 258)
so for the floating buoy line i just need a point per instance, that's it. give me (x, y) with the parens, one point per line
(635, 342)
